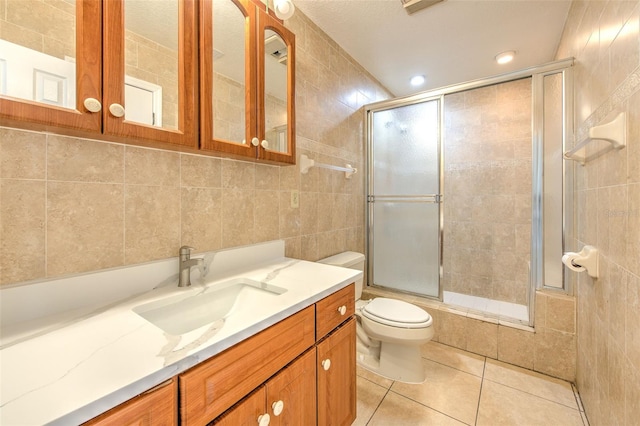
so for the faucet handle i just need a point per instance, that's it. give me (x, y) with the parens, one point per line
(186, 250)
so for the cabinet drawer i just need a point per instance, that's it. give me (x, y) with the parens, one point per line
(215, 385)
(328, 310)
(157, 406)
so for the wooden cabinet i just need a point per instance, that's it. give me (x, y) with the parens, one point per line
(52, 107)
(157, 406)
(334, 309)
(135, 77)
(300, 371)
(157, 56)
(337, 377)
(289, 398)
(291, 394)
(210, 388)
(247, 82)
(249, 412)
(88, 94)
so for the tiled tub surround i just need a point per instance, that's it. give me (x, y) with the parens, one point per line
(604, 37)
(549, 348)
(91, 359)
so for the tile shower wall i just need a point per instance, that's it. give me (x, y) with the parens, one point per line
(604, 38)
(487, 178)
(71, 205)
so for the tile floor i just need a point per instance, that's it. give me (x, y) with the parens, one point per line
(496, 307)
(468, 389)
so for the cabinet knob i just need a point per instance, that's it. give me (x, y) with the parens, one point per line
(264, 144)
(277, 407)
(264, 420)
(92, 104)
(116, 110)
(326, 364)
(255, 141)
(342, 309)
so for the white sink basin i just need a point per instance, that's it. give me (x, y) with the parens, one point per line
(201, 306)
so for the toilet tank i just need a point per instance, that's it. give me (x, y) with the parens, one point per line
(348, 259)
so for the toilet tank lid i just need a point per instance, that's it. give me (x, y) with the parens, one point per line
(344, 259)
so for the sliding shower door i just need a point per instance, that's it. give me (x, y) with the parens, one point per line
(404, 198)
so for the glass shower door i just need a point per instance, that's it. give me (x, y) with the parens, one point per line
(404, 198)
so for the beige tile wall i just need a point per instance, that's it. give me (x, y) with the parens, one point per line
(71, 205)
(604, 38)
(487, 178)
(549, 348)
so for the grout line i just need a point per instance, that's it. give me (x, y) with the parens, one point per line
(424, 405)
(457, 369)
(537, 396)
(484, 367)
(576, 394)
(379, 403)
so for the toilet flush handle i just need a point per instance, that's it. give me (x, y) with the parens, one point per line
(342, 309)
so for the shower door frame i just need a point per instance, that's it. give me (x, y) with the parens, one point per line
(369, 238)
(537, 73)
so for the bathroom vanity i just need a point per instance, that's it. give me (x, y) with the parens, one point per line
(289, 359)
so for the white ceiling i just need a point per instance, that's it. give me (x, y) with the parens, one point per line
(451, 42)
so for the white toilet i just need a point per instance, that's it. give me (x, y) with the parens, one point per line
(390, 332)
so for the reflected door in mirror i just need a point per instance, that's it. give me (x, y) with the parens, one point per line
(151, 62)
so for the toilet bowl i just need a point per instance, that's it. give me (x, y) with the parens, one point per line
(389, 331)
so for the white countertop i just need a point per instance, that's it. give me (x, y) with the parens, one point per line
(71, 372)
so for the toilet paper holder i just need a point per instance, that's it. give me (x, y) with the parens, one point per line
(585, 260)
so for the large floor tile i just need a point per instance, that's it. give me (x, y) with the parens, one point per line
(503, 405)
(397, 410)
(370, 396)
(372, 377)
(546, 387)
(446, 389)
(454, 357)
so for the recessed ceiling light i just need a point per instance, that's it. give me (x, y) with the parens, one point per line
(505, 57)
(417, 80)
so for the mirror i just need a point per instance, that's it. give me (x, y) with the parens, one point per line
(229, 79)
(151, 62)
(275, 93)
(38, 51)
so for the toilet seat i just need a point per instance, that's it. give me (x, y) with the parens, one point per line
(396, 313)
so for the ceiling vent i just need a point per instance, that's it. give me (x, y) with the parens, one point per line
(275, 46)
(412, 6)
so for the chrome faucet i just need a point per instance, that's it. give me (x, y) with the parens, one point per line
(184, 279)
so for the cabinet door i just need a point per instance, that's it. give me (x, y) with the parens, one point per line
(336, 364)
(150, 56)
(276, 91)
(291, 394)
(248, 412)
(48, 69)
(228, 77)
(158, 407)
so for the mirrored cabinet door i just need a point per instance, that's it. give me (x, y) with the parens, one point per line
(51, 63)
(150, 58)
(276, 80)
(227, 77)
